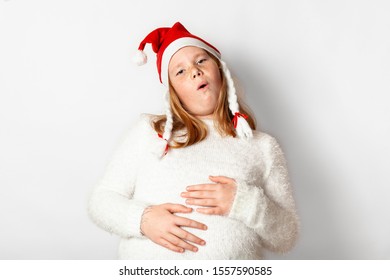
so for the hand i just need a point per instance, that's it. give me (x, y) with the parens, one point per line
(218, 197)
(160, 225)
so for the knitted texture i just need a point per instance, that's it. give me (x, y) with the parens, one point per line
(263, 213)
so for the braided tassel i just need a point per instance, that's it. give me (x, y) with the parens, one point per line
(166, 146)
(163, 148)
(242, 127)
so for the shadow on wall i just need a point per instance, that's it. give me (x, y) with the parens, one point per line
(320, 237)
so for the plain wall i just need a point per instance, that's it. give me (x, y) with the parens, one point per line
(315, 73)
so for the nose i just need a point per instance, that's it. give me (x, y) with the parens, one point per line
(196, 72)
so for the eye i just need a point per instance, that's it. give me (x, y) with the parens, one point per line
(180, 72)
(200, 61)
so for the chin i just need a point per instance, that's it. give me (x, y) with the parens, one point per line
(204, 115)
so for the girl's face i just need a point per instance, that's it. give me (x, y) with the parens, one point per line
(196, 78)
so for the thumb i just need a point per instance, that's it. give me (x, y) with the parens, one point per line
(221, 179)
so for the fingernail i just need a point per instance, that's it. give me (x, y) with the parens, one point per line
(202, 242)
(204, 227)
(195, 249)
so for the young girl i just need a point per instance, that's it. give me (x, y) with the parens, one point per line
(198, 182)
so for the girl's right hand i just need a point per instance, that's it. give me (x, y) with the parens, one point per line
(160, 225)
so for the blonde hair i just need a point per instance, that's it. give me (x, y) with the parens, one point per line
(193, 129)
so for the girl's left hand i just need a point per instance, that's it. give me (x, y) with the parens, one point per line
(216, 198)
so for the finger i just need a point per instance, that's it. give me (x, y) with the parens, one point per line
(221, 179)
(167, 244)
(185, 235)
(209, 210)
(199, 194)
(180, 221)
(178, 208)
(180, 243)
(202, 202)
(201, 187)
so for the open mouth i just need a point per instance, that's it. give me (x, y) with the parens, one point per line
(202, 86)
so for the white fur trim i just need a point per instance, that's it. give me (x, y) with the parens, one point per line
(177, 45)
(140, 58)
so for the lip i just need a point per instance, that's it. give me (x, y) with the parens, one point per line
(202, 86)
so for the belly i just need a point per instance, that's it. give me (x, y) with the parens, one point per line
(225, 239)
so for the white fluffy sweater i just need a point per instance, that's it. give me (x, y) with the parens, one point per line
(263, 213)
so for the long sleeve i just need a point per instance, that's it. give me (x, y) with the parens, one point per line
(269, 208)
(111, 205)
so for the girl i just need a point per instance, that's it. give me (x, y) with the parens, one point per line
(217, 189)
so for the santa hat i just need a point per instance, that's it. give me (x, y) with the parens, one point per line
(166, 41)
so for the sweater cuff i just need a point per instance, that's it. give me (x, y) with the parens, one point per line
(134, 218)
(249, 204)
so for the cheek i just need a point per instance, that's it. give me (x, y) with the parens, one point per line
(179, 86)
(184, 96)
(217, 77)
(219, 83)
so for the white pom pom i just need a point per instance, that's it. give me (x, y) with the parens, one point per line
(243, 129)
(140, 58)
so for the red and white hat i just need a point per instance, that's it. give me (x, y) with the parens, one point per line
(166, 41)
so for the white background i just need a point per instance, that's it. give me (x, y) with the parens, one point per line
(316, 74)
